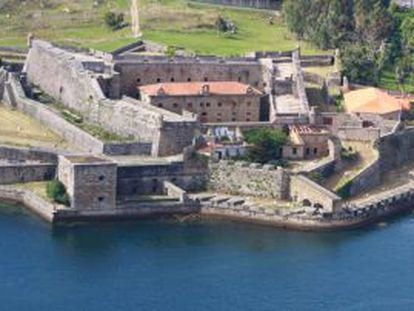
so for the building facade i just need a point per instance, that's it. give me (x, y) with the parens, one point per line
(213, 102)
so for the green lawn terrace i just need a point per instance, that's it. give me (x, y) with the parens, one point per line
(178, 23)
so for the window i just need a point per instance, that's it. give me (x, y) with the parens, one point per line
(190, 105)
(307, 151)
(138, 80)
(233, 119)
(248, 113)
(315, 150)
(240, 79)
(175, 105)
(327, 121)
(205, 79)
(100, 199)
(101, 177)
(247, 119)
(201, 104)
(294, 151)
(172, 79)
(218, 119)
(159, 105)
(158, 80)
(189, 80)
(208, 104)
(249, 104)
(264, 84)
(219, 104)
(204, 114)
(219, 114)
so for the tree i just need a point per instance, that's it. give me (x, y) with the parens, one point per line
(359, 64)
(265, 144)
(56, 191)
(114, 21)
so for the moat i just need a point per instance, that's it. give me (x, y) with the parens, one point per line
(168, 265)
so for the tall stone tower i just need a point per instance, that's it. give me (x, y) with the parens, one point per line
(136, 31)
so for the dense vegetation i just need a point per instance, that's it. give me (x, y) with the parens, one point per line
(373, 36)
(265, 144)
(56, 191)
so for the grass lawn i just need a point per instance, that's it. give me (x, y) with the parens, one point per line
(18, 129)
(179, 23)
(38, 188)
(388, 82)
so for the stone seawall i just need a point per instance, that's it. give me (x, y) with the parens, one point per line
(242, 178)
(352, 216)
(29, 200)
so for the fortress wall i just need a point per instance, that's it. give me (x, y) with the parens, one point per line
(60, 75)
(21, 173)
(241, 178)
(396, 149)
(27, 154)
(137, 72)
(63, 76)
(149, 179)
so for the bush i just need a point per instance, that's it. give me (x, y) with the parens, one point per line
(114, 21)
(57, 192)
(265, 144)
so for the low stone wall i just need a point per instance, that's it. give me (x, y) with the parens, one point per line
(20, 173)
(317, 60)
(136, 148)
(28, 154)
(368, 134)
(172, 190)
(242, 178)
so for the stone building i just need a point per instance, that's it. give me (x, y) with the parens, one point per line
(90, 181)
(213, 102)
(306, 142)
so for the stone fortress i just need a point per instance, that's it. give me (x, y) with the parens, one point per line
(153, 167)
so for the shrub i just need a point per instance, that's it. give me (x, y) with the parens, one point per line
(57, 192)
(265, 144)
(114, 21)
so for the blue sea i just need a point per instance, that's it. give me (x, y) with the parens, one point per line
(202, 265)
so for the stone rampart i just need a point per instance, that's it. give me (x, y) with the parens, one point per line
(309, 193)
(78, 88)
(242, 178)
(148, 179)
(15, 154)
(367, 134)
(396, 149)
(21, 173)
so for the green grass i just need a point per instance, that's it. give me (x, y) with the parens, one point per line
(387, 81)
(178, 23)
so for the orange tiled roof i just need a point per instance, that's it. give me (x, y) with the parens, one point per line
(196, 88)
(373, 100)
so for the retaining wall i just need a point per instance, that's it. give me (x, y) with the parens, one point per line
(20, 173)
(242, 178)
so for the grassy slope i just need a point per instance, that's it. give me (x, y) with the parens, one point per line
(188, 25)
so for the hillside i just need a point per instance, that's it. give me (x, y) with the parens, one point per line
(172, 22)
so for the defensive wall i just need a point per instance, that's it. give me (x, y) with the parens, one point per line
(149, 179)
(76, 84)
(250, 179)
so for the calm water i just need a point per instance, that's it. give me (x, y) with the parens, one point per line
(202, 266)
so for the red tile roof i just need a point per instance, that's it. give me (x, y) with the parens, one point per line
(198, 88)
